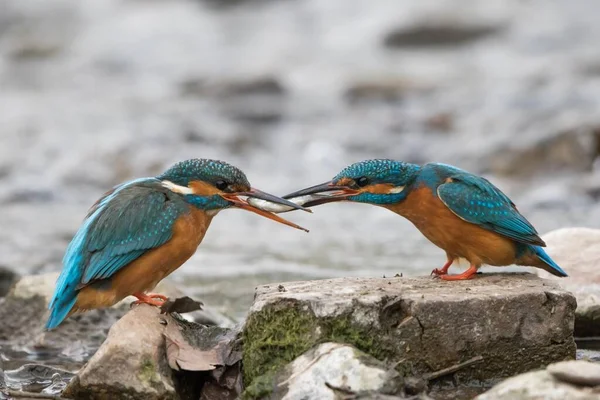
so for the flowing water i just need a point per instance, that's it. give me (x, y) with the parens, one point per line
(95, 93)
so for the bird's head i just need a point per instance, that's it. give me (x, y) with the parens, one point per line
(212, 185)
(378, 182)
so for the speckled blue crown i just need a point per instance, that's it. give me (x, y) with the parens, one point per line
(204, 170)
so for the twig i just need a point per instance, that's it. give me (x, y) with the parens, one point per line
(454, 368)
(33, 395)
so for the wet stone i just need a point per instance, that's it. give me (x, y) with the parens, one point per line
(437, 35)
(8, 277)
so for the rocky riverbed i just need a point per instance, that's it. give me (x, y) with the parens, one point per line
(367, 338)
(94, 93)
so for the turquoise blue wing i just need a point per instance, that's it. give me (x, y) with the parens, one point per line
(136, 219)
(476, 200)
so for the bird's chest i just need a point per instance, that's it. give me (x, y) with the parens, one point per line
(430, 216)
(446, 230)
(188, 232)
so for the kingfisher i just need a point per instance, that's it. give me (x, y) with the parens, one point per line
(463, 214)
(143, 230)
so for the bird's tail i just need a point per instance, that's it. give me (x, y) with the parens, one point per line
(65, 296)
(548, 264)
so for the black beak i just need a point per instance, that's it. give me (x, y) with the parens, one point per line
(327, 192)
(258, 194)
(238, 201)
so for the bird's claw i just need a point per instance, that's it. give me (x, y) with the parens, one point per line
(154, 299)
(438, 272)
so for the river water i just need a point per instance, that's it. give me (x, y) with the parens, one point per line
(95, 93)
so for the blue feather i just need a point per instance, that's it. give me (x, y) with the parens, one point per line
(120, 227)
(476, 200)
(554, 268)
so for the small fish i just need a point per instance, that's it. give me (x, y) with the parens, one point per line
(266, 205)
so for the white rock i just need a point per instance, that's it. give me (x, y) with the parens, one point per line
(577, 251)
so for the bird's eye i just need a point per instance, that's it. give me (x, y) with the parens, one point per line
(362, 181)
(221, 185)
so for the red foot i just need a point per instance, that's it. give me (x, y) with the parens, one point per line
(153, 299)
(444, 270)
(468, 274)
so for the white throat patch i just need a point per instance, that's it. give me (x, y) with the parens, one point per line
(396, 189)
(177, 188)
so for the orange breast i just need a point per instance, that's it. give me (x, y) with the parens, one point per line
(460, 239)
(144, 273)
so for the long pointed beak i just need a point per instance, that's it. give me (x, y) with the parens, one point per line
(238, 201)
(327, 192)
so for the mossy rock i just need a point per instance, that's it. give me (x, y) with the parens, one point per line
(516, 322)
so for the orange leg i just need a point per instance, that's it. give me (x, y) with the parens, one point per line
(444, 270)
(153, 299)
(468, 274)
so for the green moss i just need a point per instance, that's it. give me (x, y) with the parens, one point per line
(279, 333)
(275, 336)
(261, 387)
(342, 329)
(147, 371)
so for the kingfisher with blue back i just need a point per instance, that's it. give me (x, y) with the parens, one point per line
(462, 213)
(143, 230)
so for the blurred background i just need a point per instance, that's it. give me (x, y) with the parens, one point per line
(93, 93)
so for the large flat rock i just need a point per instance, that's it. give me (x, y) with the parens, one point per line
(516, 322)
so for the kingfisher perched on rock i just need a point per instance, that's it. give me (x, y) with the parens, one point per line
(143, 230)
(463, 214)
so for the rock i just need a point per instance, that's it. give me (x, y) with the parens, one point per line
(567, 150)
(516, 322)
(580, 373)
(8, 277)
(545, 385)
(149, 355)
(24, 311)
(437, 35)
(440, 122)
(130, 363)
(577, 251)
(325, 371)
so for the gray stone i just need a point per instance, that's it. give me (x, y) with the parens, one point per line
(331, 369)
(150, 355)
(438, 35)
(24, 311)
(131, 363)
(8, 277)
(565, 150)
(581, 373)
(577, 251)
(516, 322)
(545, 385)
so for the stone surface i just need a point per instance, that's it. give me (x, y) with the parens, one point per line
(545, 385)
(580, 373)
(7, 279)
(150, 355)
(131, 362)
(566, 150)
(438, 34)
(326, 371)
(516, 322)
(577, 251)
